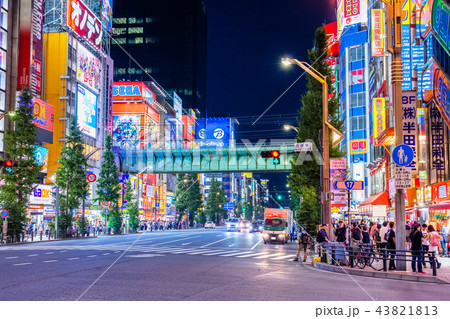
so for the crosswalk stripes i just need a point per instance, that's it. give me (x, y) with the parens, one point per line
(251, 255)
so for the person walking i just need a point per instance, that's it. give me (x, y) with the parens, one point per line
(390, 238)
(416, 237)
(435, 240)
(303, 242)
(425, 245)
(444, 241)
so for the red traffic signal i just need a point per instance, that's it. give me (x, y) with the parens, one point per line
(273, 153)
(9, 163)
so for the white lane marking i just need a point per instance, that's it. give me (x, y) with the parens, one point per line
(251, 255)
(218, 253)
(50, 261)
(219, 236)
(118, 251)
(105, 254)
(63, 251)
(284, 257)
(33, 255)
(184, 244)
(256, 244)
(231, 245)
(73, 258)
(268, 256)
(12, 257)
(239, 253)
(214, 242)
(49, 253)
(171, 241)
(201, 252)
(91, 256)
(184, 251)
(145, 255)
(22, 264)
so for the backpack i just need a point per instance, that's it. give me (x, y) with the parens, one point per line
(304, 238)
(434, 239)
(356, 233)
(376, 236)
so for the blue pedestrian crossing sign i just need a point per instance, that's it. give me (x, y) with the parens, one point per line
(403, 155)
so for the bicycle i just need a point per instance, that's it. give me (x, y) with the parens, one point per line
(366, 256)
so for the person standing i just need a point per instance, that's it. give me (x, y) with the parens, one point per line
(391, 245)
(365, 235)
(322, 239)
(383, 232)
(341, 232)
(356, 235)
(303, 241)
(425, 244)
(376, 238)
(435, 239)
(408, 233)
(416, 249)
(444, 241)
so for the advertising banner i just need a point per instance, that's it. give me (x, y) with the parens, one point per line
(30, 45)
(215, 132)
(358, 146)
(441, 93)
(86, 111)
(379, 117)
(41, 195)
(338, 172)
(109, 78)
(437, 140)
(43, 114)
(377, 22)
(410, 135)
(88, 69)
(350, 12)
(333, 40)
(40, 154)
(85, 23)
(107, 13)
(127, 131)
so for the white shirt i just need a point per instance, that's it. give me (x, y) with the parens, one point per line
(425, 242)
(383, 232)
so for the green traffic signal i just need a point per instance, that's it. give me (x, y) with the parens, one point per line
(279, 197)
(276, 161)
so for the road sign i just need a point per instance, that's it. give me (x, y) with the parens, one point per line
(403, 177)
(349, 185)
(403, 155)
(91, 178)
(303, 147)
(106, 212)
(5, 213)
(106, 204)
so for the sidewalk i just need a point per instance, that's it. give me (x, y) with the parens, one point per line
(44, 239)
(443, 274)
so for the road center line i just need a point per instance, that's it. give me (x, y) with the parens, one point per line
(91, 256)
(33, 255)
(22, 264)
(73, 258)
(214, 242)
(11, 257)
(50, 261)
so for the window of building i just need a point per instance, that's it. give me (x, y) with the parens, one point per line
(357, 99)
(119, 20)
(3, 39)
(2, 59)
(151, 40)
(357, 53)
(121, 71)
(358, 123)
(119, 31)
(2, 101)
(135, 20)
(137, 40)
(4, 19)
(120, 41)
(135, 30)
(187, 92)
(151, 19)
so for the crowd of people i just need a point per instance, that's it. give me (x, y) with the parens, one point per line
(421, 240)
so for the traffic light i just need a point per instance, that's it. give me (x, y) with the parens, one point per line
(8, 166)
(279, 197)
(273, 153)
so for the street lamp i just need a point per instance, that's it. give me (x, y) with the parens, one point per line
(290, 127)
(326, 207)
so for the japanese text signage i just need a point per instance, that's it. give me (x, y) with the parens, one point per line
(440, 191)
(358, 146)
(441, 94)
(439, 22)
(81, 20)
(350, 12)
(377, 32)
(410, 124)
(403, 177)
(338, 172)
(379, 117)
(333, 40)
(437, 139)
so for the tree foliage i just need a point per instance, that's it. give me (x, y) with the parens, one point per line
(18, 184)
(216, 198)
(188, 195)
(309, 211)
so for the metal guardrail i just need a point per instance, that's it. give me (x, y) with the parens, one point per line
(365, 255)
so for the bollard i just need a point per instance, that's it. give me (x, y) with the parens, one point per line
(351, 260)
(434, 264)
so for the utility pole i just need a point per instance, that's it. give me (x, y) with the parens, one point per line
(397, 79)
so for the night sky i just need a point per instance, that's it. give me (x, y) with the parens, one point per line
(246, 41)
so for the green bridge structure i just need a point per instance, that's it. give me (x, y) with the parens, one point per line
(206, 160)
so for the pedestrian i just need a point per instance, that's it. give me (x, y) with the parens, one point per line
(425, 245)
(341, 232)
(365, 235)
(416, 237)
(322, 239)
(435, 240)
(376, 238)
(390, 238)
(303, 242)
(356, 235)
(372, 229)
(383, 232)
(408, 233)
(444, 241)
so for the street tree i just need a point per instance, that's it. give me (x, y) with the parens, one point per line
(132, 208)
(188, 196)
(307, 174)
(71, 175)
(19, 183)
(309, 212)
(108, 185)
(216, 200)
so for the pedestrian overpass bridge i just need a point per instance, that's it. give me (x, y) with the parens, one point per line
(205, 160)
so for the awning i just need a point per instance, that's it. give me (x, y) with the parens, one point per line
(443, 205)
(377, 199)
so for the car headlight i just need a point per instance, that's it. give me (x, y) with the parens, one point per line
(281, 235)
(266, 235)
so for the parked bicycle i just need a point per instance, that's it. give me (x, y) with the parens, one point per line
(365, 255)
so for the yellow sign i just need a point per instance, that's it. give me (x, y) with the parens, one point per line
(358, 146)
(248, 175)
(379, 117)
(377, 20)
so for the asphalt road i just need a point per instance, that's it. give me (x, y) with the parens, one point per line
(184, 265)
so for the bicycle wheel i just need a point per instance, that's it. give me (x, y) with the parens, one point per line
(360, 260)
(375, 262)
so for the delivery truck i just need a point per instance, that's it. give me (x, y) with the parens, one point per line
(277, 225)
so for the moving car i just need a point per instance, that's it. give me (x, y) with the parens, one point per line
(244, 226)
(233, 224)
(257, 226)
(210, 225)
(276, 225)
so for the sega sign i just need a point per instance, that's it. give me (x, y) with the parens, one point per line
(133, 91)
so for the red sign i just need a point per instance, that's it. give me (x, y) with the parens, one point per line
(30, 45)
(91, 178)
(133, 91)
(43, 115)
(81, 20)
(440, 191)
(333, 40)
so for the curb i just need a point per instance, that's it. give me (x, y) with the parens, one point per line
(45, 241)
(379, 274)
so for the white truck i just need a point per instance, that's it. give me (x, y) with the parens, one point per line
(277, 225)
